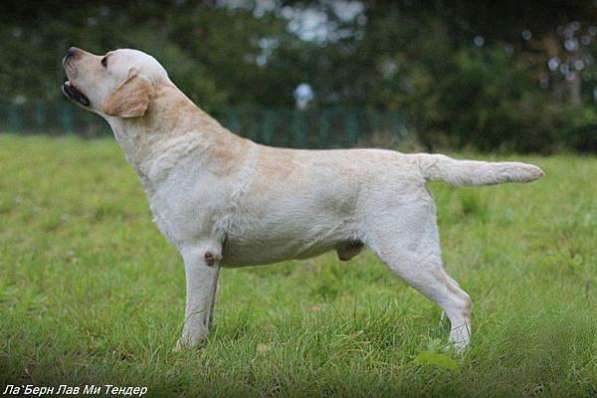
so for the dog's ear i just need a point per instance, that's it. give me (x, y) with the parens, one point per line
(131, 98)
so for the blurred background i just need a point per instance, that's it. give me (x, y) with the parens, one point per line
(487, 76)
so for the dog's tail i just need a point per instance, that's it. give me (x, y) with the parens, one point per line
(472, 172)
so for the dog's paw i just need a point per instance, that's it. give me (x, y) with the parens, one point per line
(179, 347)
(185, 344)
(457, 348)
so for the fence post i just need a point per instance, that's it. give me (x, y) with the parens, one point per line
(255, 120)
(40, 115)
(232, 120)
(324, 128)
(298, 128)
(352, 127)
(268, 127)
(375, 122)
(67, 119)
(397, 124)
(15, 119)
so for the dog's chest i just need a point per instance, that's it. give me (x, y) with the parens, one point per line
(189, 206)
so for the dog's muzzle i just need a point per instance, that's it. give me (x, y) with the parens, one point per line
(73, 93)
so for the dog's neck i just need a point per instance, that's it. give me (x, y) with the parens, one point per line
(173, 129)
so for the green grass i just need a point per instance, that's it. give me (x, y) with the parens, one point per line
(90, 293)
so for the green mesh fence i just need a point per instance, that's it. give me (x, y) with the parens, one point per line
(337, 127)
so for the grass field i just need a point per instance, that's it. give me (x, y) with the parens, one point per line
(90, 293)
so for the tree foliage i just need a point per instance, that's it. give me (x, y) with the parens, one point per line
(507, 75)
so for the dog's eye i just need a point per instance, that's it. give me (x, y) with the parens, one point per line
(104, 62)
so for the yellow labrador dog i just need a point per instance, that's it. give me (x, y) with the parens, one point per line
(226, 201)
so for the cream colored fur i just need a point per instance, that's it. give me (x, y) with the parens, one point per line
(225, 201)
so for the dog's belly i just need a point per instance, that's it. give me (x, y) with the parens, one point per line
(237, 254)
(267, 244)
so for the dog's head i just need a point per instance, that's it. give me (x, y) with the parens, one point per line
(120, 83)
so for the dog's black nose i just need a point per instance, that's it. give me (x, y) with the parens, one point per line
(71, 52)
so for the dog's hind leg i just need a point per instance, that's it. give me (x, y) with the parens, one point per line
(406, 239)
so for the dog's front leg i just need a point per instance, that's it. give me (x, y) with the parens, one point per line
(201, 268)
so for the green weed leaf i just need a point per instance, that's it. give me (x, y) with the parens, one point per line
(436, 359)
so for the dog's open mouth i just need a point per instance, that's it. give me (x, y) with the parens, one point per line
(73, 93)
